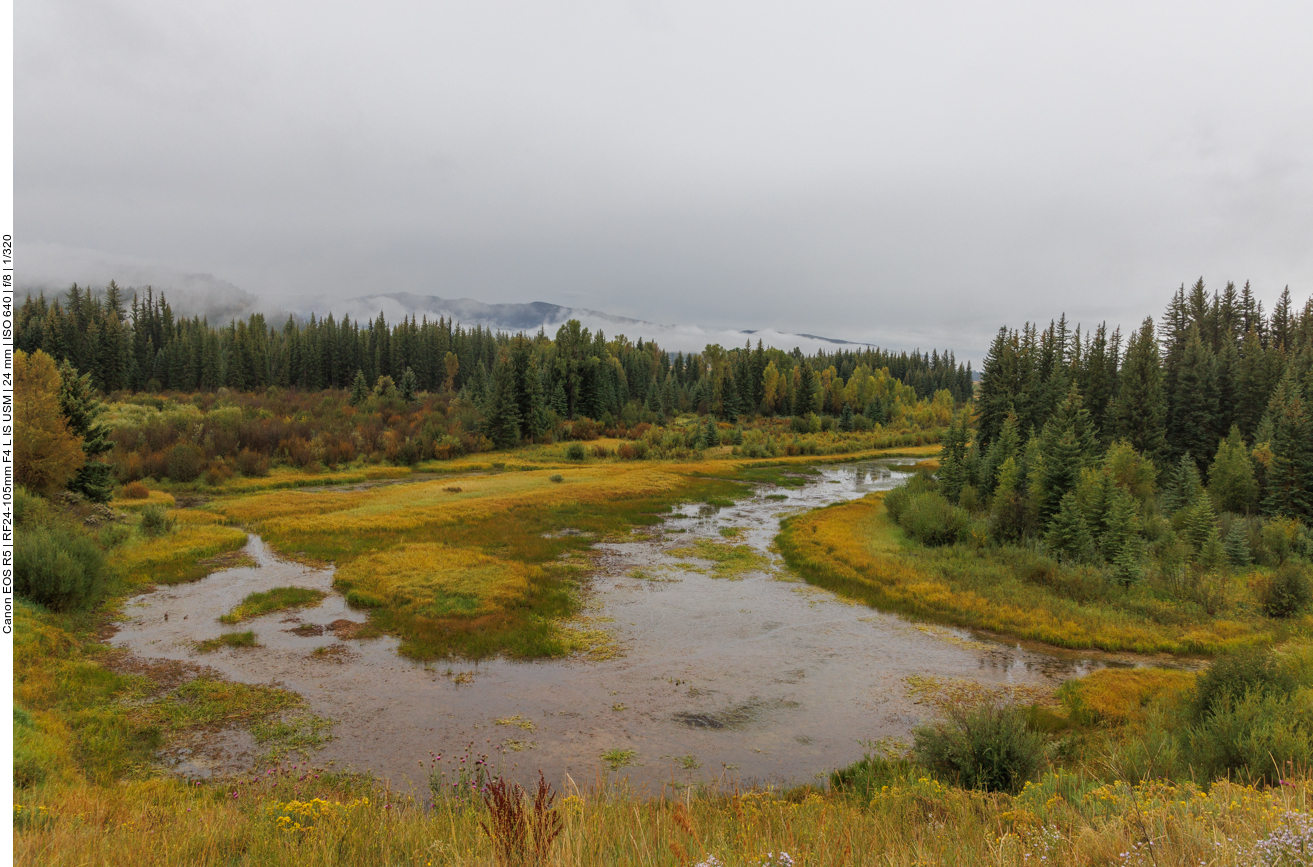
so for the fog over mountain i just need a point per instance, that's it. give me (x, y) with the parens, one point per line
(548, 317)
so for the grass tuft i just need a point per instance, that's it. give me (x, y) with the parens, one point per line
(277, 599)
(228, 639)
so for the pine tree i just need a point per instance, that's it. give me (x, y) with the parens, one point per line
(1139, 411)
(502, 421)
(81, 409)
(846, 419)
(1069, 535)
(1190, 427)
(410, 382)
(1236, 546)
(1066, 446)
(359, 389)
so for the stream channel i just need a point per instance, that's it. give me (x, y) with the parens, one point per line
(759, 679)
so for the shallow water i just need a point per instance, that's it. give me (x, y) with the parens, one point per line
(759, 679)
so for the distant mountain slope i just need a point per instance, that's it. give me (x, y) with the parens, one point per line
(540, 314)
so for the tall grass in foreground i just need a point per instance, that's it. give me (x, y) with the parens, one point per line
(289, 817)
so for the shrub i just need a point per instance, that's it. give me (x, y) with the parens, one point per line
(184, 463)
(1287, 591)
(29, 508)
(896, 500)
(933, 521)
(155, 521)
(574, 451)
(1253, 738)
(986, 746)
(135, 491)
(583, 429)
(1251, 670)
(58, 567)
(556, 477)
(252, 464)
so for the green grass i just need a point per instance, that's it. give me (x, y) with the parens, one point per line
(228, 639)
(276, 599)
(727, 561)
(299, 733)
(617, 758)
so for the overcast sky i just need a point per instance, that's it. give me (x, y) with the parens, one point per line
(903, 173)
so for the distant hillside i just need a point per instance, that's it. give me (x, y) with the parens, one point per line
(540, 314)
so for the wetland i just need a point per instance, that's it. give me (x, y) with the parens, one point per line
(714, 661)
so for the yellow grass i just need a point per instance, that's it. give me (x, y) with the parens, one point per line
(1059, 820)
(434, 580)
(179, 555)
(288, 477)
(154, 498)
(1118, 696)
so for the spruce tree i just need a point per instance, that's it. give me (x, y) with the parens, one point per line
(1069, 535)
(81, 409)
(1290, 471)
(359, 389)
(1236, 546)
(846, 419)
(409, 384)
(804, 401)
(1190, 427)
(502, 418)
(1066, 446)
(1139, 411)
(1252, 387)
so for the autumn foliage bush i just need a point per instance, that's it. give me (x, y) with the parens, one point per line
(135, 491)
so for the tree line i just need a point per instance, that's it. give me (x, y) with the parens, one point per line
(142, 346)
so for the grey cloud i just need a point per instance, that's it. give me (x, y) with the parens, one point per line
(905, 175)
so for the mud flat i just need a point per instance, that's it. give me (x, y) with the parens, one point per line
(726, 665)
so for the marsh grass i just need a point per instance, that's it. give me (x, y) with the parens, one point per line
(499, 582)
(85, 712)
(276, 599)
(727, 561)
(228, 639)
(179, 556)
(299, 733)
(855, 550)
(617, 758)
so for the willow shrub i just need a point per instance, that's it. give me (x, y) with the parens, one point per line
(986, 747)
(58, 567)
(933, 521)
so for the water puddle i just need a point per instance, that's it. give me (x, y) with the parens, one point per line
(728, 667)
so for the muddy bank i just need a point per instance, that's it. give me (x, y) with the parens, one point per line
(728, 665)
